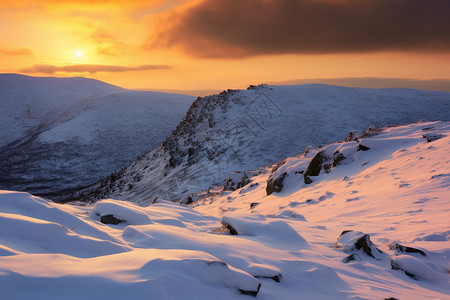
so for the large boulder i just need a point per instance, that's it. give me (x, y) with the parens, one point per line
(356, 242)
(275, 184)
(315, 166)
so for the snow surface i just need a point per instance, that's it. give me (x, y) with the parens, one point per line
(26, 102)
(241, 130)
(72, 132)
(397, 192)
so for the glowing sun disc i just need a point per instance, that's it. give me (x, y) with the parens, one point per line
(79, 53)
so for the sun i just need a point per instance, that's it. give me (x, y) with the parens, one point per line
(78, 53)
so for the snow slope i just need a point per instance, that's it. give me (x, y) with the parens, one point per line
(240, 130)
(78, 130)
(26, 102)
(285, 245)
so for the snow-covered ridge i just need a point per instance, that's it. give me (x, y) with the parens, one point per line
(64, 133)
(373, 225)
(27, 102)
(240, 130)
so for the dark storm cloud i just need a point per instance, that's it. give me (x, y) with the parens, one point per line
(238, 28)
(82, 68)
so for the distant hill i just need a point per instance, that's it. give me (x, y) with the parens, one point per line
(62, 133)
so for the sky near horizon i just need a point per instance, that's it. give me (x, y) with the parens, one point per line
(217, 44)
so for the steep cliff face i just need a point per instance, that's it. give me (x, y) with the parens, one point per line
(239, 130)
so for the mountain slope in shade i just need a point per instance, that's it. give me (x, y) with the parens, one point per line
(372, 224)
(239, 130)
(81, 131)
(27, 102)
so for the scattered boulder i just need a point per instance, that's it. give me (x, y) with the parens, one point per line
(404, 249)
(351, 136)
(275, 184)
(232, 230)
(361, 147)
(110, 219)
(264, 271)
(278, 232)
(337, 158)
(189, 199)
(307, 180)
(432, 137)
(352, 241)
(236, 180)
(253, 204)
(314, 167)
(322, 161)
(251, 293)
(413, 267)
(351, 257)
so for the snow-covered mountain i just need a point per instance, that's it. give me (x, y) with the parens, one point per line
(27, 102)
(63, 133)
(239, 130)
(361, 219)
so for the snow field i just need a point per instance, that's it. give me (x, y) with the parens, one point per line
(284, 247)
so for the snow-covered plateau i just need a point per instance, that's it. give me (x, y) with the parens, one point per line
(240, 130)
(57, 134)
(367, 218)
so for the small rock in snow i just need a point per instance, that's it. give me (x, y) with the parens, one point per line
(404, 249)
(110, 219)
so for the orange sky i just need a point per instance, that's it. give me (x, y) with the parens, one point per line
(217, 44)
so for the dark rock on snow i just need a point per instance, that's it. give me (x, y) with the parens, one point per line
(404, 249)
(251, 293)
(237, 180)
(396, 266)
(433, 137)
(253, 204)
(362, 148)
(351, 257)
(275, 278)
(275, 184)
(315, 165)
(110, 219)
(352, 241)
(232, 230)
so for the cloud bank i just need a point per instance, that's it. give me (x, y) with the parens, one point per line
(16, 51)
(240, 28)
(89, 68)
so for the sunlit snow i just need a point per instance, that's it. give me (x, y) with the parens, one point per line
(284, 245)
